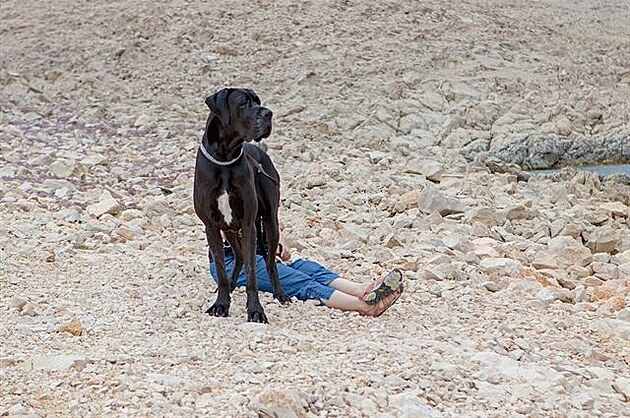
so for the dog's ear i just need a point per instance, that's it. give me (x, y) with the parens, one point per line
(218, 105)
(253, 95)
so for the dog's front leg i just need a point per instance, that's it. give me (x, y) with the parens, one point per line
(255, 311)
(235, 243)
(221, 306)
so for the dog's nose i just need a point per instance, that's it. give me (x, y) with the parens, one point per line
(266, 113)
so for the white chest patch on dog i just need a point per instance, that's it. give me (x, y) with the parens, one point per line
(224, 207)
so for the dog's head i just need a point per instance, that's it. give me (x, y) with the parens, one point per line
(240, 113)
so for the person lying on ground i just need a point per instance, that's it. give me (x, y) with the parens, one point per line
(308, 280)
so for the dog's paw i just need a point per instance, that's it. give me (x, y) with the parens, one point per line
(282, 297)
(257, 315)
(218, 309)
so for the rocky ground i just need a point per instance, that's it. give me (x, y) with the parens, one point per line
(395, 123)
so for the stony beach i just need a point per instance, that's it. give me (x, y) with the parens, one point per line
(402, 133)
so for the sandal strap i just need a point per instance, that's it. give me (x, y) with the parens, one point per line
(390, 283)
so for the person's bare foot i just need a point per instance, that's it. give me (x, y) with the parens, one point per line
(369, 286)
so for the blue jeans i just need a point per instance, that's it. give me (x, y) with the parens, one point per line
(304, 279)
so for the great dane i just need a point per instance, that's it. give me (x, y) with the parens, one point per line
(236, 189)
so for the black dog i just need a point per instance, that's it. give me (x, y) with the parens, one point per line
(236, 188)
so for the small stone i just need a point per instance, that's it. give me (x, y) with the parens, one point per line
(431, 200)
(601, 258)
(279, 403)
(602, 241)
(563, 295)
(29, 309)
(517, 354)
(391, 241)
(491, 286)
(412, 405)
(486, 247)
(163, 133)
(605, 271)
(57, 363)
(438, 272)
(616, 303)
(410, 199)
(578, 272)
(593, 281)
(486, 216)
(544, 260)
(596, 217)
(70, 215)
(500, 266)
(49, 257)
(17, 410)
(62, 169)
(545, 295)
(566, 283)
(563, 126)
(142, 121)
(106, 204)
(612, 328)
(73, 327)
(624, 314)
(376, 156)
(126, 232)
(572, 230)
(129, 214)
(93, 160)
(431, 169)
(579, 294)
(18, 302)
(569, 252)
(622, 386)
(457, 242)
(8, 171)
(519, 212)
(616, 208)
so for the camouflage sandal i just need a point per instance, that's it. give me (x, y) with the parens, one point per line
(390, 283)
(389, 305)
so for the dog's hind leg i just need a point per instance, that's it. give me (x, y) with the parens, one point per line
(273, 237)
(235, 243)
(221, 306)
(255, 311)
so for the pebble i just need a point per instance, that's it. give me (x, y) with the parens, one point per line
(73, 327)
(62, 169)
(569, 252)
(500, 266)
(106, 205)
(431, 201)
(491, 286)
(17, 410)
(61, 362)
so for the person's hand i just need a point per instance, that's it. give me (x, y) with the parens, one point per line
(284, 250)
